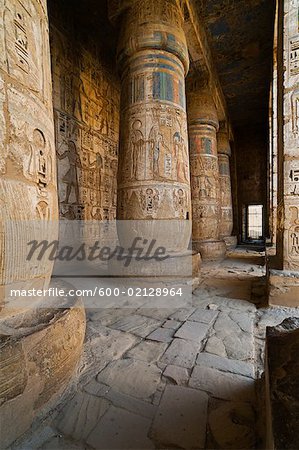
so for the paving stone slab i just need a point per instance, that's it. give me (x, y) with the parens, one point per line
(181, 353)
(176, 374)
(182, 314)
(215, 346)
(131, 377)
(156, 313)
(101, 348)
(80, 415)
(120, 429)
(222, 385)
(181, 419)
(204, 315)
(162, 335)
(147, 351)
(232, 426)
(225, 364)
(193, 331)
(139, 325)
(245, 321)
(171, 323)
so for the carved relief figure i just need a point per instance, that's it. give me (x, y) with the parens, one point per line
(137, 149)
(71, 176)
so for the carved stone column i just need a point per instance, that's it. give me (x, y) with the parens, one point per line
(205, 188)
(39, 347)
(153, 176)
(226, 218)
(284, 267)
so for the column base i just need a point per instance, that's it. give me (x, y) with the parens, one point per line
(210, 250)
(38, 362)
(176, 265)
(283, 288)
(230, 242)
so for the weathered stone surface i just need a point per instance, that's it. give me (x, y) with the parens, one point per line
(181, 353)
(222, 385)
(232, 426)
(173, 324)
(215, 346)
(104, 345)
(120, 429)
(180, 421)
(139, 325)
(147, 351)
(225, 364)
(193, 331)
(162, 335)
(131, 377)
(176, 374)
(182, 314)
(80, 415)
(156, 313)
(204, 315)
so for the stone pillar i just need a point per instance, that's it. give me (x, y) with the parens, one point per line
(284, 267)
(205, 188)
(226, 218)
(38, 356)
(153, 176)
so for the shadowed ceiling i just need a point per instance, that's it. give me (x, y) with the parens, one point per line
(240, 33)
(241, 39)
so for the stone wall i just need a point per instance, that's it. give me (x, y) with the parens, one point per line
(86, 112)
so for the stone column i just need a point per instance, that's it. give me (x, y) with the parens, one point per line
(205, 188)
(153, 176)
(226, 218)
(39, 347)
(284, 267)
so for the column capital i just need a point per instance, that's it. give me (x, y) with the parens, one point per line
(201, 107)
(150, 26)
(223, 142)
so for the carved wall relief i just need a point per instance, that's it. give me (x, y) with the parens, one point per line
(86, 102)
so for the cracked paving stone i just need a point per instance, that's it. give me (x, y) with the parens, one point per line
(182, 314)
(104, 346)
(204, 315)
(120, 429)
(176, 374)
(222, 385)
(181, 418)
(156, 313)
(131, 377)
(193, 331)
(225, 364)
(162, 335)
(147, 351)
(80, 415)
(215, 346)
(181, 353)
(139, 325)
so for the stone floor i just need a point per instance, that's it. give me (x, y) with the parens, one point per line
(172, 378)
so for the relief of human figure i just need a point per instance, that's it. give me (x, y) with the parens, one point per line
(137, 149)
(159, 150)
(71, 176)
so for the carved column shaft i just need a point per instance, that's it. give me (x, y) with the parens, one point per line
(206, 211)
(226, 218)
(153, 177)
(27, 160)
(284, 268)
